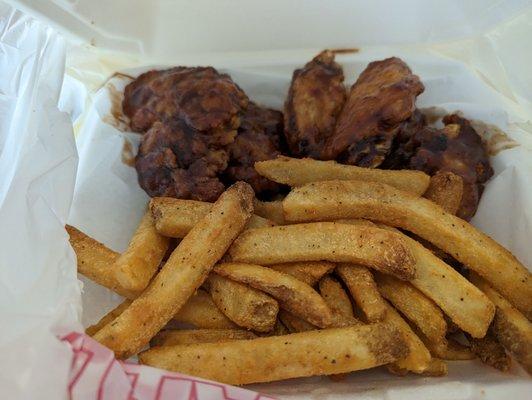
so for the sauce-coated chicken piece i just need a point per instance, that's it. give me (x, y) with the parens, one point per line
(381, 99)
(315, 99)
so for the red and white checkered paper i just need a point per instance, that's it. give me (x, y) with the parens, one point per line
(96, 374)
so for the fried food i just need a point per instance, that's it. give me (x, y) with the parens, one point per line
(446, 190)
(172, 337)
(292, 294)
(456, 148)
(383, 203)
(107, 318)
(298, 172)
(322, 352)
(309, 272)
(338, 301)
(245, 306)
(359, 280)
(369, 246)
(137, 265)
(491, 352)
(295, 324)
(176, 217)
(181, 276)
(271, 210)
(448, 350)
(415, 306)
(382, 98)
(315, 99)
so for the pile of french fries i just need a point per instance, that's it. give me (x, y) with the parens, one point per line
(348, 272)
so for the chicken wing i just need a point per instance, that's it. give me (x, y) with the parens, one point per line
(315, 99)
(382, 98)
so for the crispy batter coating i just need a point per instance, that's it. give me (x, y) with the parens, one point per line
(382, 98)
(200, 96)
(315, 99)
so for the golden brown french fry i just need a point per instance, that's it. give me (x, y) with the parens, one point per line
(110, 316)
(309, 272)
(322, 352)
(446, 190)
(183, 273)
(300, 171)
(292, 294)
(369, 246)
(436, 368)
(137, 265)
(172, 337)
(95, 261)
(491, 352)
(414, 305)
(338, 301)
(359, 280)
(200, 311)
(295, 324)
(383, 203)
(511, 328)
(279, 329)
(448, 350)
(176, 217)
(271, 210)
(245, 306)
(418, 358)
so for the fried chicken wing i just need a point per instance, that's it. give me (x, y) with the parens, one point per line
(315, 99)
(200, 96)
(456, 148)
(259, 138)
(382, 98)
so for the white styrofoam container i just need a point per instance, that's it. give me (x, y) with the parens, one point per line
(487, 35)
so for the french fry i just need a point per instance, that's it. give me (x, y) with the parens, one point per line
(511, 328)
(298, 172)
(309, 272)
(491, 352)
(109, 317)
(418, 358)
(200, 311)
(446, 190)
(321, 352)
(338, 301)
(176, 217)
(359, 280)
(245, 306)
(95, 261)
(172, 337)
(271, 210)
(414, 305)
(292, 294)
(383, 203)
(295, 324)
(368, 246)
(448, 350)
(279, 329)
(183, 273)
(137, 265)
(436, 368)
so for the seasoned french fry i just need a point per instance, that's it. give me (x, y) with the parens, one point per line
(321, 352)
(292, 294)
(110, 316)
(295, 324)
(414, 305)
(491, 352)
(446, 190)
(436, 368)
(369, 246)
(448, 350)
(200, 311)
(338, 301)
(511, 328)
(176, 217)
(183, 273)
(95, 261)
(298, 172)
(137, 265)
(362, 287)
(172, 337)
(309, 272)
(279, 329)
(383, 203)
(271, 210)
(245, 306)
(418, 358)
